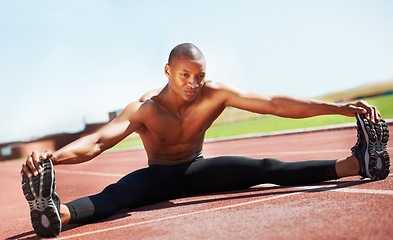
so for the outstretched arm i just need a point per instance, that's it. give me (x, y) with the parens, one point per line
(88, 147)
(291, 107)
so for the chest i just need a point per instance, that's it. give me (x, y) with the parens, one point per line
(190, 125)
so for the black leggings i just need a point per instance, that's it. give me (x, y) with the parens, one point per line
(158, 183)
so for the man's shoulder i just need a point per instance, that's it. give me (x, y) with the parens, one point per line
(137, 108)
(150, 94)
(147, 105)
(217, 86)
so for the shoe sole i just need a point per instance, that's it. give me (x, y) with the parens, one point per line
(38, 191)
(376, 157)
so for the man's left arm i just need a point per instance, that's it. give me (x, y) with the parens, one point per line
(292, 107)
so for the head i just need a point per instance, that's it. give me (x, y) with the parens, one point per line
(186, 69)
(185, 49)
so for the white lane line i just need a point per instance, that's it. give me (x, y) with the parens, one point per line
(262, 153)
(299, 152)
(364, 191)
(337, 188)
(296, 152)
(90, 173)
(342, 187)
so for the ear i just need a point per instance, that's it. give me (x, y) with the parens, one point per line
(167, 70)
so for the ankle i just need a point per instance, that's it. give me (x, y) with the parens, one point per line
(346, 167)
(64, 214)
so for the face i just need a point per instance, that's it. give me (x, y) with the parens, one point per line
(186, 77)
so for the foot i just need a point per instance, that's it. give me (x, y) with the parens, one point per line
(44, 202)
(370, 149)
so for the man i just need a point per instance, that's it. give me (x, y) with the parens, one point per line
(172, 124)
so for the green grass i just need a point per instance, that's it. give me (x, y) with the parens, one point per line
(384, 105)
(266, 124)
(127, 143)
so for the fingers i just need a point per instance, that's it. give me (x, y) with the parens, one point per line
(36, 162)
(48, 154)
(371, 112)
(25, 171)
(28, 167)
(32, 166)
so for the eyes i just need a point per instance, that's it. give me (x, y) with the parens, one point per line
(187, 75)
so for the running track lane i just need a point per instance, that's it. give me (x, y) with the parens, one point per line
(347, 209)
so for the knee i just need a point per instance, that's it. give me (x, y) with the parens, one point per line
(114, 189)
(271, 164)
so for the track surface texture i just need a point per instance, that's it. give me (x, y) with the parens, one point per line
(348, 208)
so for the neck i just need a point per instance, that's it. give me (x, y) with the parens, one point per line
(172, 102)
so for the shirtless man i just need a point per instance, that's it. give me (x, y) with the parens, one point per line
(172, 124)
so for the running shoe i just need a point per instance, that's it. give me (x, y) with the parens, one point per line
(44, 203)
(370, 149)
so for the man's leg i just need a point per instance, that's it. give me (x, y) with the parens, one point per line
(142, 187)
(346, 167)
(370, 159)
(233, 172)
(65, 214)
(139, 188)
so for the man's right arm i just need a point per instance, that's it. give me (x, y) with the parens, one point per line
(90, 146)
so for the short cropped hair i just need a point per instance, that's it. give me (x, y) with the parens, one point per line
(185, 49)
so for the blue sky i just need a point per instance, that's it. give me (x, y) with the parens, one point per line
(64, 63)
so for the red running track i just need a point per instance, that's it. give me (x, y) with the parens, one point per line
(348, 208)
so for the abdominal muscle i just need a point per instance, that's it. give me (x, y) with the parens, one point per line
(160, 154)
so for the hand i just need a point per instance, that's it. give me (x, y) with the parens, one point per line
(371, 112)
(32, 165)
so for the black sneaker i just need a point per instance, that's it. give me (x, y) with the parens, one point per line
(44, 202)
(370, 149)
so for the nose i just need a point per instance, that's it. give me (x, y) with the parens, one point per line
(193, 82)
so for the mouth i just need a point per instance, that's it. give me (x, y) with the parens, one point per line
(191, 92)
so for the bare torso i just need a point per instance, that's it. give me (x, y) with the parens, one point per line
(173, 138)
